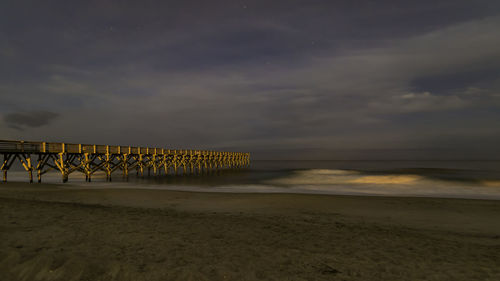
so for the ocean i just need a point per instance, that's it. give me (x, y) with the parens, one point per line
(443, 179)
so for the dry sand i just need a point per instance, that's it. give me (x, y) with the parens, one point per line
(53, 233)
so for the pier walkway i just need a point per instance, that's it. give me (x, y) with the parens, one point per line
(41, 157)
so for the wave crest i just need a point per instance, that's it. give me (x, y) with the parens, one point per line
(326, 176)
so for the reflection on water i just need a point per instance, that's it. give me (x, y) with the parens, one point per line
(463, 179)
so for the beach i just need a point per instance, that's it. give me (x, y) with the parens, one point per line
(54, 233)
(250, 140)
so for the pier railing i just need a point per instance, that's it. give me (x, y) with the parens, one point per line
(41, 157)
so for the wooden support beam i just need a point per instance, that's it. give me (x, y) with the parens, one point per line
(8, 159)
(88, 159)
(125, 166)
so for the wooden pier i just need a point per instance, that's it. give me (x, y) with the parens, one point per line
(41, 157)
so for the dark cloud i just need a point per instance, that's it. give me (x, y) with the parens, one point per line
(254, 75)
(461, 79)
(30, 119)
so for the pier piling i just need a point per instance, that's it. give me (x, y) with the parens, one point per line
(88, 159)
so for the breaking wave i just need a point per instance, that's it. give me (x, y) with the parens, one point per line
(325, 176)
(313, 181)
(357, 183)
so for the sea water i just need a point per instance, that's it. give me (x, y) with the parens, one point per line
(449, 179)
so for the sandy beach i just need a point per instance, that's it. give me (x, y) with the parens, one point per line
(54, 233)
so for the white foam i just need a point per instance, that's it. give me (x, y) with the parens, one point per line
(316, 181)
(355, 183)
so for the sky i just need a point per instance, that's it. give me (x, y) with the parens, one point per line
(283, 79)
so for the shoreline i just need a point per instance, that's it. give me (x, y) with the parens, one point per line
(249, 189)
(405, 210)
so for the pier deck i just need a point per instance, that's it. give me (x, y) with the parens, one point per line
(41, 157)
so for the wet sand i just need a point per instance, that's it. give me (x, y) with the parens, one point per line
(53, 233)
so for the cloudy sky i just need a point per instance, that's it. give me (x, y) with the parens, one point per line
(283, 79)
